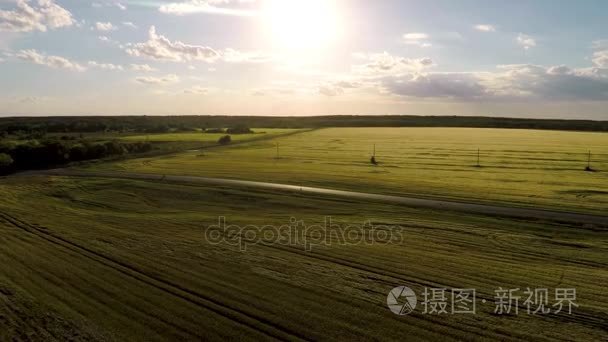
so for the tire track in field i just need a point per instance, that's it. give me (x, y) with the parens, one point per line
(401, 278)
(502, 242)
(259, 324)
(593, 319)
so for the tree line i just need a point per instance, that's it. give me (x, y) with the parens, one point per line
(40, 154)
(161, 124)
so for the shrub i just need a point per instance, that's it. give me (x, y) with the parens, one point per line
(185, 129)
(214, 130)
(239, 130)
(226, 139)
(5, 161)
(114, 148)
(158, 129)
(78, 152)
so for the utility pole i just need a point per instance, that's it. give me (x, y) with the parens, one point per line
(373, 158)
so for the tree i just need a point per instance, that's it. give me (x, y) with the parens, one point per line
(78, 152)
(225, 140)
(5, 161)
(214, 130)
(114, 148)
(239, 129)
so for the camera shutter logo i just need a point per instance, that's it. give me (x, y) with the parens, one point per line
(401, 300)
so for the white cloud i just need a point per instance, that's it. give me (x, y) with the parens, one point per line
(109, 4)
(104, 27)
(160, 48)
(417, 38)
(412, 78)
(205, 6)
(129, 24)
(142, 67)
(168, 79)
(27, 18)
(559, 70)
(109, 40)
(55, 62)
(378, 63)
(526, 41)
(485, 28)
(197, 90)
(105, 66)
(434, 85)
(517, 82)
(348, 84)
(600, 59)
(234, 56)
(338, 88)
(330, 90)
(550, 83)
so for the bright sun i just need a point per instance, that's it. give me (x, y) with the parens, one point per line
(302, 24)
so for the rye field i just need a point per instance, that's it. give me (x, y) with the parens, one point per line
(93, 258)
(126, 260)
(517, 167)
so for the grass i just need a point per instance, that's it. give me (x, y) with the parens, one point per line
(519, 167)
(103, 259)
(112, 260)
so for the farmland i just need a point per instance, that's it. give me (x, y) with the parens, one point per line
(103, 259)
(106, 259)
(518, 167)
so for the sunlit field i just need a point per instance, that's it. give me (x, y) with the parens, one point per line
(124, 260)
(519, 167)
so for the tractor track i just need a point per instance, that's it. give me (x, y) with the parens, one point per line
(248, 320)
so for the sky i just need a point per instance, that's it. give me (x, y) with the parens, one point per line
(537, 59)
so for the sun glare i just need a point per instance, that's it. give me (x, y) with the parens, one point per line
(302, 24)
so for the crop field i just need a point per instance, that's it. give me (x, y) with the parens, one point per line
(518, 167)
(101, 259)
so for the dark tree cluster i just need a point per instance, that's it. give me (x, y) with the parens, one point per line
(240, 129)
(40, 154)
(161, 124)
(214, 130)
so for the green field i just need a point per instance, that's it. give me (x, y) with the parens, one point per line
(520, 167)
(101, 259)
(121, 260)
